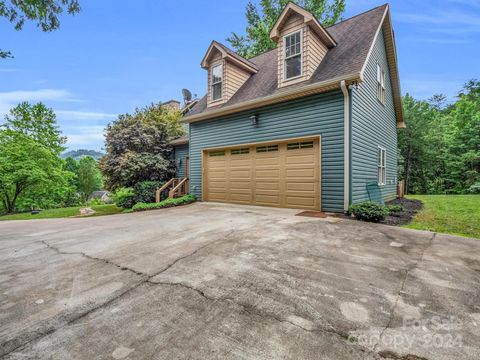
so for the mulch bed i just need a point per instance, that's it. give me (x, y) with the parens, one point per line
(410, 206)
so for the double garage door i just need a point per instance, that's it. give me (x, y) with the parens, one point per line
(282, 174)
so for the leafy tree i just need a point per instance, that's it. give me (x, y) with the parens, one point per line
(25, 165)
(410, 142)
(440, 148)
(137, 146)
(38, 122)
(89, 177)
(44, 12)
(260, 22)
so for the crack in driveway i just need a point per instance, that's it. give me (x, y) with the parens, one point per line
(252, 310)
(145, 278)
(402, 287)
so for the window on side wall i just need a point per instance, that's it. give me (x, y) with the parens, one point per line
(381, 84)
(292, 45)
(217, 79)
(381, 166)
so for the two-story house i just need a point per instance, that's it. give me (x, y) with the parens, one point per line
(310, 124)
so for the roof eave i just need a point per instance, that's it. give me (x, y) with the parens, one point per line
(284, 95)
(246, 65)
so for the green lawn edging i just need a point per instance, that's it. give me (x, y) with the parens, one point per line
(100, 210)
(451, 214)
(187, 199)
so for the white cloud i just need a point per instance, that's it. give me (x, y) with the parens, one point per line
(84, 115)
(9, 99)
(33, 95)
(85, 136)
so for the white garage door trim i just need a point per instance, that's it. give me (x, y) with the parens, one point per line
(206, 151)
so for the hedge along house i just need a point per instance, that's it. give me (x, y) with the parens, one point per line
(310, 124)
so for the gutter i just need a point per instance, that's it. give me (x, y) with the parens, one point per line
(282, 95)
(346, 145)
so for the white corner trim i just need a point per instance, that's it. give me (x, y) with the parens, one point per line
(346, 145)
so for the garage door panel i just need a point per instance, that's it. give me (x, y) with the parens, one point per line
(267, 174)
(300, 202)
(234, 185)
(237, 162)
(293, 174)
(267, 185)
(242, 198)
(300, 160)
(267, 161)
(240, 174)
(217, 196)
(275, 176)
(267, 199)
(298, 186)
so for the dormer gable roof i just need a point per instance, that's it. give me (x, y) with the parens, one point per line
(226, 53)
(308, 19)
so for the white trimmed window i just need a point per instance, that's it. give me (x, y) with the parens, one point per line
(382, 161)
(292, 45)
(217, 79)
(380, 84)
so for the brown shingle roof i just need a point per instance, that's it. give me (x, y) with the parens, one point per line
(354, 38)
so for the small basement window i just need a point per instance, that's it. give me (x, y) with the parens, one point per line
(217, 80)
(267, 148)
(216, 153)
(382, 161)
(240, 151)
(380, 84)
(292, 45)
(300, 145)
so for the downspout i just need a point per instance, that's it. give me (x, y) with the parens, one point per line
(346, 145)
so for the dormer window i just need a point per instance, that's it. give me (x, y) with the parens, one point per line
(293, 55)
(217, 80)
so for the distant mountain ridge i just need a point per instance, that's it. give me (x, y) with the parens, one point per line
(78, 154)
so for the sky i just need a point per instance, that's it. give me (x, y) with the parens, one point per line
(115, 56)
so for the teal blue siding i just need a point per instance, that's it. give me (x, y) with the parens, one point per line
(181, 154)
(314, 115)
(373, 125)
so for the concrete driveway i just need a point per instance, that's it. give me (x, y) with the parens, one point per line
(212, 281)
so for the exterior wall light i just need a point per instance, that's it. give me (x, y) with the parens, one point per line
(254, 119)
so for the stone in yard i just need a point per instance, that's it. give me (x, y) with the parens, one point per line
(86, 211)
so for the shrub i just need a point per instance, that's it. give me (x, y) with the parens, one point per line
(124, 197)
(369, 211)
(165, 203)
(93, 202)
(392, 209)
(145, 191)
(474, 189)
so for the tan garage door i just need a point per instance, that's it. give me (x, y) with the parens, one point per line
(283, 174)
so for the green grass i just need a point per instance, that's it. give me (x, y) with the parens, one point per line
(451, 214)
(64, 212)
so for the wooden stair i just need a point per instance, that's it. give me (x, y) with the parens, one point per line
(176, 187)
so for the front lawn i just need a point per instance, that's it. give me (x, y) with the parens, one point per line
(64, 212)
(452, 214)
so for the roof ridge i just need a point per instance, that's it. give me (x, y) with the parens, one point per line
(355, 16)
